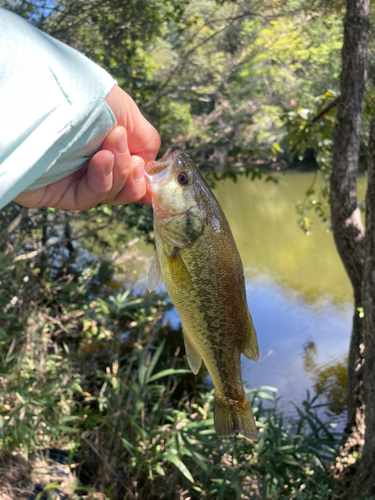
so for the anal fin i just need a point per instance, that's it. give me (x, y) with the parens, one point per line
(193, 356)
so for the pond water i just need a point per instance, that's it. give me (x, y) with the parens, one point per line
(297, 290)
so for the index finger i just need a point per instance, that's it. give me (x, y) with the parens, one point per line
(143, 138)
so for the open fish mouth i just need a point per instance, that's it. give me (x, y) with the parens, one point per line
(156, 171)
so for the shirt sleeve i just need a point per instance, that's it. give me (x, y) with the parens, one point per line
(53, 113)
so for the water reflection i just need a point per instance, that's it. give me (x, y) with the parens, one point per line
(332, 376)
(285, 323)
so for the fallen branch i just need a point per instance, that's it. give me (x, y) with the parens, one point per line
(63, 241)
(12, 226)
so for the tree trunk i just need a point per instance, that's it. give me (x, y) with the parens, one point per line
(364, 481)
(45, 235)
(347, 227)
(346, 221)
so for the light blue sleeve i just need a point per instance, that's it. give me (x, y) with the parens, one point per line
(53, 114)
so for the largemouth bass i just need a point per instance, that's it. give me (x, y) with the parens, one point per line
(198, 260)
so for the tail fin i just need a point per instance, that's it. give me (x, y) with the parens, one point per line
(229, 418)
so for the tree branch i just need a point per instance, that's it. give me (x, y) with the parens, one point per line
(63, 241)
(164, 90)
(326, 110)
(12, 226)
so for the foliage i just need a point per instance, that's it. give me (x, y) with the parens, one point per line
(239, 67)
(215, 77)
(313, 129)
(140, 435)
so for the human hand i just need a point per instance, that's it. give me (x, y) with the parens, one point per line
(115, 174)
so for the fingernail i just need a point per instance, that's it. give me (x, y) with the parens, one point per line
(108, 166)
(139, 171)
(122, 144)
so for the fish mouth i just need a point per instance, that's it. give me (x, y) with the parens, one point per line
(157, 170)
(158, 173)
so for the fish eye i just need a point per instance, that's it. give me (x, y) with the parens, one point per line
(183, 178)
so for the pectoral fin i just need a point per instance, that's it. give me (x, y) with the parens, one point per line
(155, 278)
(193, 356)
(251, 349)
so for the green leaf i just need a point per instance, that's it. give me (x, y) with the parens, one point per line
(154, 360)
(142, 368)
(128, 446)
(198, 457)
(264, 395)
(51, 486)
(159, 469)
(165, 373)
(174, 459)
(65, 428)
(7, 316)
(68, 418)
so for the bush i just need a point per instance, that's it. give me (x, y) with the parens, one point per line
(95, 372)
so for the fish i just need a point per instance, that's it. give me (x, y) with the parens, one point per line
(199, 263)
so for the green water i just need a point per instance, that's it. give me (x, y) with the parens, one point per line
(264, 223)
